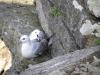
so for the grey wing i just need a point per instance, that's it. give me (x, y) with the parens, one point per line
(36, 46)
(44, 43)
(42, 46)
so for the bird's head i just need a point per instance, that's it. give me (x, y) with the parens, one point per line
(36, 32)
(24, 38)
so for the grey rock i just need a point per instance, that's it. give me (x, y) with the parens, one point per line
(94, 7)
(61, 64)
(65, 26)
(57, 17)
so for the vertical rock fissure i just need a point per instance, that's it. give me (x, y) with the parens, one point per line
(71, 35)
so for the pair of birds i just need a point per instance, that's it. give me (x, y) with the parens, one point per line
(34, 44)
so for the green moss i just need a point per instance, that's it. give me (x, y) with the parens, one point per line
(55, 11)
(97, 41)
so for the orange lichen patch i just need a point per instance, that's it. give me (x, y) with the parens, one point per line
(22, 2)
(5, 57)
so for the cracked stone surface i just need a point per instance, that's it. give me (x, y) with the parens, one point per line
(17, 19)
(5, 57)
(65, 27)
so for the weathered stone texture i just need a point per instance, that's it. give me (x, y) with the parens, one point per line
(65, 27)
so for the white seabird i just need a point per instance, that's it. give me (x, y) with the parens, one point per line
(32, 48)
(37, 34)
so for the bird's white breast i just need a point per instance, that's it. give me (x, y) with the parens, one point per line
(27, 50)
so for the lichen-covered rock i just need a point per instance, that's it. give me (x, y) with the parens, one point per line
(23, 2)
(94, 7)
(5, 57)
(96, 27)
(77, 5)
(86, 28)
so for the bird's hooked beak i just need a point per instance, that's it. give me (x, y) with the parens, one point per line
(38, 38)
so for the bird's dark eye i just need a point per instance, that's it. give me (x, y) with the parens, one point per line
(23, 39)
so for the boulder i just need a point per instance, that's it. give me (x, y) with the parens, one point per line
(94, 7)
(5, 58)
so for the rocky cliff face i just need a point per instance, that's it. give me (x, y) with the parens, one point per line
(60, 18)
(65, 26)
(64, 18)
